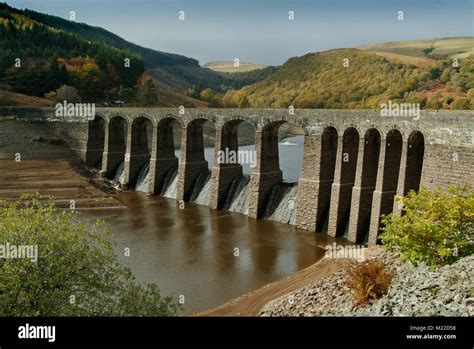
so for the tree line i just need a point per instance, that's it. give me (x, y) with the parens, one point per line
(36, 60)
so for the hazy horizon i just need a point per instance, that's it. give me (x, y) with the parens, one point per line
(256, 32)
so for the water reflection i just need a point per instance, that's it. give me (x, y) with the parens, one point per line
(191, 251)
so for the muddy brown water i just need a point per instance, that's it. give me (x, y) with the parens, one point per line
(207, 256)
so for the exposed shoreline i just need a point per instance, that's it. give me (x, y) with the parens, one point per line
(413, 291)
(320, 290)
(34, 160)
(251, 303)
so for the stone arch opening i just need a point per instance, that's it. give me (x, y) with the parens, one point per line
(384, 194)
(362, 194)
(235, 158)
(140, 153)
(268, 144)
(393, 155)
(117, 147)
(279, 150)
(327, 164)
(344, 180)
(196, 157)
(164, 164)
(246, 145)
(95, 142)
(290, 150)
(414, 162)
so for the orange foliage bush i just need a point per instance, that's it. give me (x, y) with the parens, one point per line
(368, 280)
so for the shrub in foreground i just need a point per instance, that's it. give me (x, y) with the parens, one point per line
(368, 280)
(76, 273)
(436, 227)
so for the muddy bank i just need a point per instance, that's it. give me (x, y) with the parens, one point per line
(34, 160)
(250, 304)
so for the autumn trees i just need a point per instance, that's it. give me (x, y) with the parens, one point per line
(36, 59)
(322, 80)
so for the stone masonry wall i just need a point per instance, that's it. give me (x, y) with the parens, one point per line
(447, 164)
(448, 138)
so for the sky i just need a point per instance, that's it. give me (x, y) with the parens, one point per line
(260, 31)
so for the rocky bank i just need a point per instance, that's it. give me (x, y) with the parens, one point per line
(414, 291)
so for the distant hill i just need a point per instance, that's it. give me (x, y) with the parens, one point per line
(424, 52)
(320, 80)
(182, 72)
(36, 59)
(229, 67)
(38, 38)
(54, 52)
(152, 58)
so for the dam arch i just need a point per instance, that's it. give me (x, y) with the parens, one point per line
(411, 167)
(270, 192)
(140, 148)
(414, 162)
(232, 165)
(387, 181)
(317, 176)
(193, 164)
(116, 147)
(327, 168)
(344, 178)
(426, 156)
(281, 204)
(364, 186)
(95, 141)
(266, 172)
(164, 162)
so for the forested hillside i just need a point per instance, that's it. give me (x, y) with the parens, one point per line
(36, 59)
(39, 53)
(322, 80)
(185, 71)
(151, 58)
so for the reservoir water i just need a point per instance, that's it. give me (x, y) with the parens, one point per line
(210, 256)
(206, 255)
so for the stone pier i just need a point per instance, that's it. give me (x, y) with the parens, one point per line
(192, 161)
(355, 162)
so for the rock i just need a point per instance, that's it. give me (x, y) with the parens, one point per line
(414, 291)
